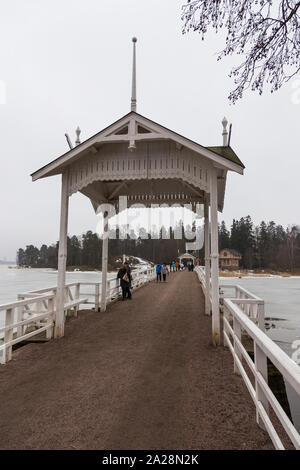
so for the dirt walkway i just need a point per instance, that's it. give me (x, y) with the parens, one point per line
(144, 375)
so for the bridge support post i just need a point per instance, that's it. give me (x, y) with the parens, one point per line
(261, 366)
(104, 261)
(62, 257)
(207, 256)
(214, 259)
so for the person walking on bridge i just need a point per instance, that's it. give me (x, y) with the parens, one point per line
(164, 271)
(158, 272)
(124, 274)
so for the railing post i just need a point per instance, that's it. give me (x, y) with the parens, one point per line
(66, 300)
(20, 318)
(237, 334)
(97, 291)
(8, 335)
(77, 296)
(226, 317)
(39, 309)
(247, 307)
(109, 290)
(49, 332)
(261, 316)
(242, 305)
(261, 366)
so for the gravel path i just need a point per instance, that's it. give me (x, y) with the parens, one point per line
(144, 375)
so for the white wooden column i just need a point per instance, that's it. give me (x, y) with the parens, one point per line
(62, 257)
(214, 258)
(207, 256)
(104, 261)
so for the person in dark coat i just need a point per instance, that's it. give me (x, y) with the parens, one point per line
(124, 274)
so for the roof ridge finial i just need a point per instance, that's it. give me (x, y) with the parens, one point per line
(78, 132)
(225, 132)
(133, 93)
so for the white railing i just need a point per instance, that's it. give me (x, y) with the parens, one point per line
(38, 313)
(235, 321)
(243, 312)
(34, 312)
(200, 271)
(250, 304)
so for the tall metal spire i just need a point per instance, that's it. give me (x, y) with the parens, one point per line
(133, 93)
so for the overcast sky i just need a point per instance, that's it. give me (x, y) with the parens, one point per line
(66, 63)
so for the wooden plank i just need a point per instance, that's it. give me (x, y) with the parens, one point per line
(20, 303)
(72, 304)
(33, 318)
(24, 337)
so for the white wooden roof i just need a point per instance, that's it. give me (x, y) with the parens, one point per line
(129, 124)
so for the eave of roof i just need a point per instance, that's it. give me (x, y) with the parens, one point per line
(225, 152)
(81, 144)
(228, 153)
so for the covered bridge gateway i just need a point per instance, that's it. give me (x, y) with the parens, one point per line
(187, 256)
(143, 162)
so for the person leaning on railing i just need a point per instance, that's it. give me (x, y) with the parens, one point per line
(124, 274)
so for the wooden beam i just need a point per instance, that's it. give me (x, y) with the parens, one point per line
(104, 261)
(93, 150)
(62, 257)
(189, 186)
(214, 258)
(135, 137)
(117, 190)
(207, 256)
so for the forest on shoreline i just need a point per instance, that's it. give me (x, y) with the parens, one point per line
(267, 246)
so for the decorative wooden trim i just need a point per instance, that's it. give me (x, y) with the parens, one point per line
(152, 160)
(106, 135)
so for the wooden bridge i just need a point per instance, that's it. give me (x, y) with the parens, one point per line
(142, 375)
(150, 373)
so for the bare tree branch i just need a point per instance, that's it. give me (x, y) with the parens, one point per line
(265, 32)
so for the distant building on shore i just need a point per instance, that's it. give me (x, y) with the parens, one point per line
(229, 259)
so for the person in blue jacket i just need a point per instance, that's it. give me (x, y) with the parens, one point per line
(158, 272)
